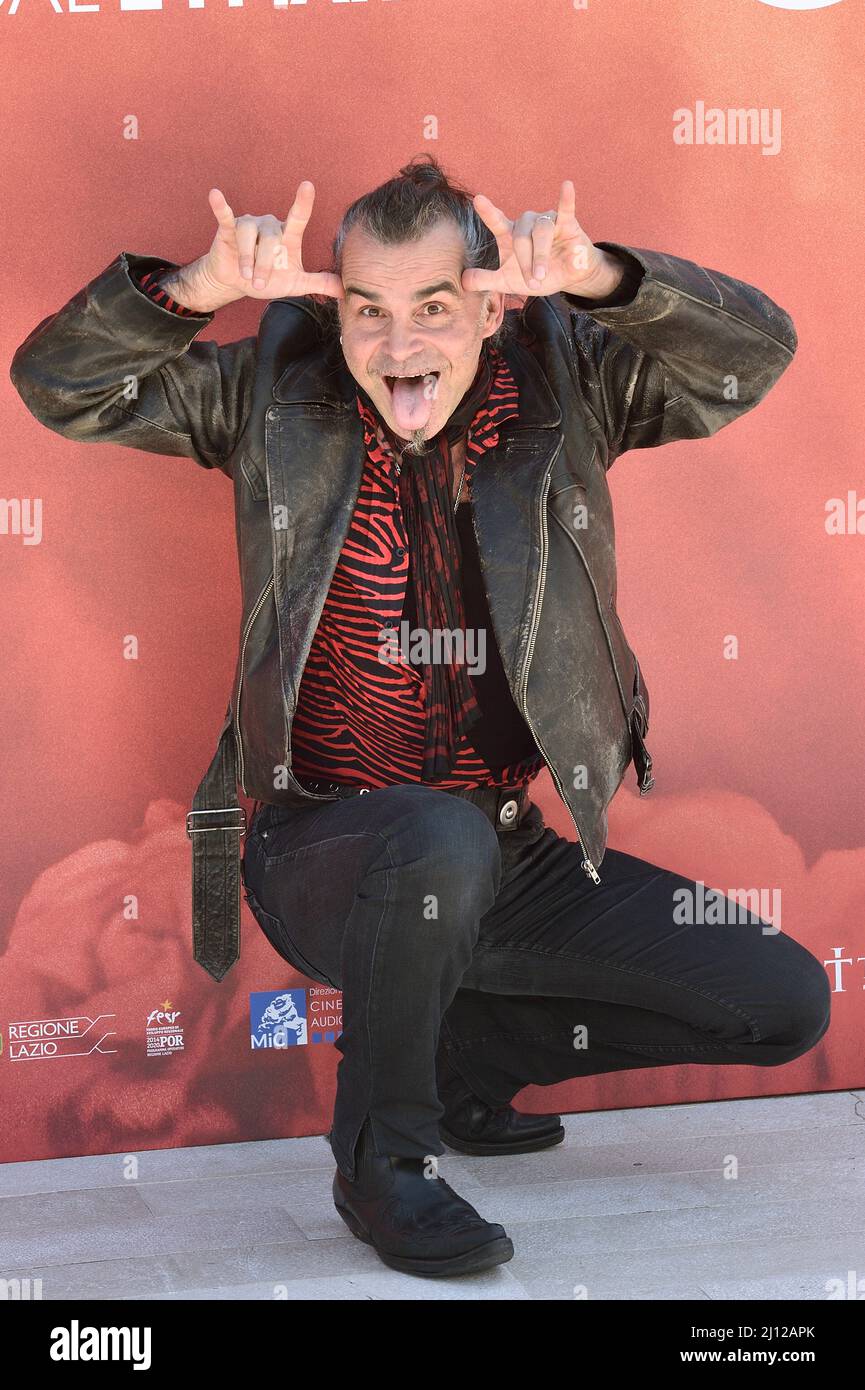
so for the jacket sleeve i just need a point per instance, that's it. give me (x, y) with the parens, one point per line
(677, 352)
(149, 281)
(113, 366)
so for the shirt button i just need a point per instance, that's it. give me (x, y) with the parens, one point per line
(399, 552)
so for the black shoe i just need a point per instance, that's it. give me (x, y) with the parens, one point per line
(415, 1224)
(471, 1126)
(474, 1128)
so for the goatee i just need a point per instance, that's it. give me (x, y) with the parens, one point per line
(417, 444)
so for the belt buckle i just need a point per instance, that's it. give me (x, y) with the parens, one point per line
(192, 829)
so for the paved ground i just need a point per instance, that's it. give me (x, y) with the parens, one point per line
(633, 1205)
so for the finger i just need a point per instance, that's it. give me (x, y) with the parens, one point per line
(500, 225)
(298, 215)
(477, 278)
(493, 217)
(570, 229)
(543, 235)
(523, 247)
(323, 282)
(567, 202)
(246, 236)
(221, 211)
(269, 241)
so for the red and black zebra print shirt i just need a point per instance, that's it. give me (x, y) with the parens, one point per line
(360, 720)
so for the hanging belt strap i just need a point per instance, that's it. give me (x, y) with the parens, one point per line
(215, 825)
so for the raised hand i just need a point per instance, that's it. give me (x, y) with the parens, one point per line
(262, 255)
(256, 256)
(543, 253)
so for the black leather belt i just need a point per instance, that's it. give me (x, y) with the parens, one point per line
(504, 807)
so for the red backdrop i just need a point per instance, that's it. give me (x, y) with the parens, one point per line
(119, 119)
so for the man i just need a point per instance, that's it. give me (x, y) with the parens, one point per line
(409, 458)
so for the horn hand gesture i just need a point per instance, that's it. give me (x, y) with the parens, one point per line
(544, 253)
(262, 256)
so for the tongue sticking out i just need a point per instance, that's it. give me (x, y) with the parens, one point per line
(412, 399)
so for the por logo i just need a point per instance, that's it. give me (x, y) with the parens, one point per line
(800, 4)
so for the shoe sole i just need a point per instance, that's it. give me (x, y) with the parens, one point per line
(525, 1146)
(495, 1252)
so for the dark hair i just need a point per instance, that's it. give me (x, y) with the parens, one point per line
(405, 208)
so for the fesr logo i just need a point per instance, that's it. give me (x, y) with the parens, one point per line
(164, 1034)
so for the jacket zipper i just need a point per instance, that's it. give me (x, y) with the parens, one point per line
(246, 631)
(586, 864)
(570, 353)
(599, 607)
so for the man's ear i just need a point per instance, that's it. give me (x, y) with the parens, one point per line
(494, 312)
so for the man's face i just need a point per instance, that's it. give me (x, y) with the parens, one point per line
(411, 334)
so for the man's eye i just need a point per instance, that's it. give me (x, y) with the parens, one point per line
(369, 309)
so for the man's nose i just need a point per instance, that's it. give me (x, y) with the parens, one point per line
(404, 341)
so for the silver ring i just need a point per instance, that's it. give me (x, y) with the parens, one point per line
(545, 217)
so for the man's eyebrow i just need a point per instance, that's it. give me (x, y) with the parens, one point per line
(441, 287)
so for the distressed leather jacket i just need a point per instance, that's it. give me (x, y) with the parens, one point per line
(690, 351)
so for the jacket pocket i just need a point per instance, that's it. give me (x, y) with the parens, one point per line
(253, 476)
(578, 499)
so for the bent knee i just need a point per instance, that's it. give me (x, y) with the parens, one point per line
(447, 826)
(448, 845)
(802, 1008)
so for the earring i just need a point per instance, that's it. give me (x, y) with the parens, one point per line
(340, 337)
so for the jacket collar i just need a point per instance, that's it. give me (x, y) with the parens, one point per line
(317, 373)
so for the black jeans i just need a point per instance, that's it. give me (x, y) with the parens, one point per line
(443, 932)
